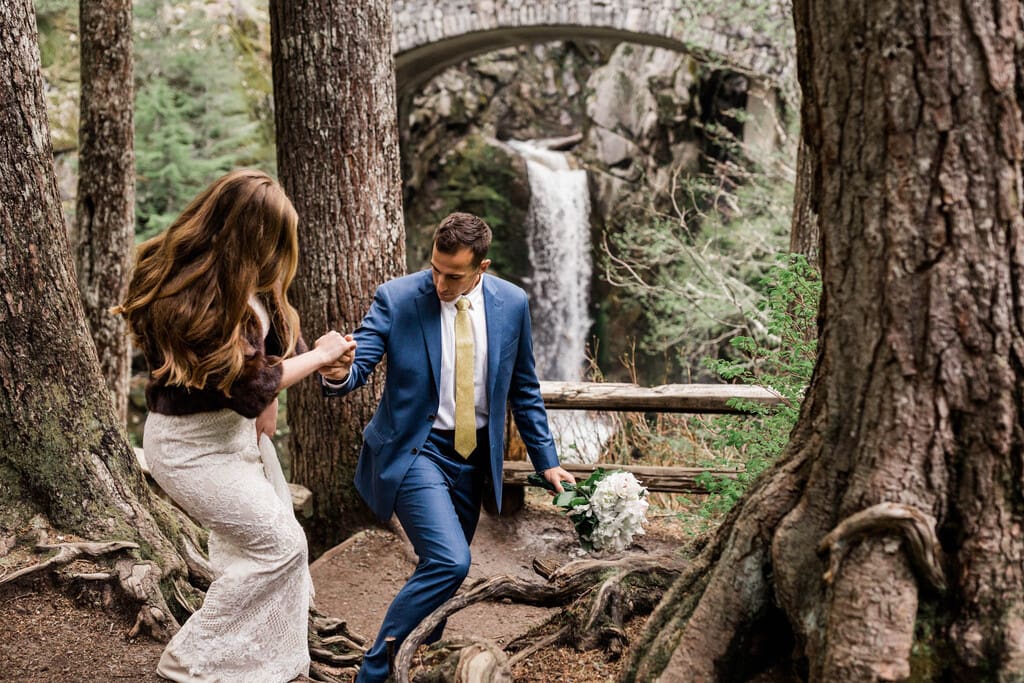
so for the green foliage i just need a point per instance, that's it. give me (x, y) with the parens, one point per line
(707, 283)
(200, 108)
(203, 100)
(782, 360)
(57, 21)
(481, 178)
(48, 8)
(168, 160)
(693, 276)
(474, 177)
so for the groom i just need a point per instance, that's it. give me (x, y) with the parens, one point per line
(458, 348)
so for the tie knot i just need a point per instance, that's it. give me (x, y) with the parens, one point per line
(463, 304)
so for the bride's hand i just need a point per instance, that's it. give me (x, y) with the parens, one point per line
(333, 348)
(266, 423)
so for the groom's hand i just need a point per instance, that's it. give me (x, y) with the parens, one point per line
(335, 373)
(555, 476)
(339, 369)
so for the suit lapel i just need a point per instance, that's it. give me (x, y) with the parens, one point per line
(493, 306)
(429, 308)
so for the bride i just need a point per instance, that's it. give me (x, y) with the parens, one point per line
(208, 306)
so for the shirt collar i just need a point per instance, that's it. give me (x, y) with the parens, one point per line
(475, 295)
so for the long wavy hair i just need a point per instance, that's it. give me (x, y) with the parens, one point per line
(187, 303)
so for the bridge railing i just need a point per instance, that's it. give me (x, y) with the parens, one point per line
(693, 399)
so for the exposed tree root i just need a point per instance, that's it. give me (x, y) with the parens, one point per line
(139, 580)
(319, 671)
(336, 650)
(615, 590)
(199, 570)
(6, 543)
(711, 623)
(466, 660)
(536, 645)
(917, 527)
(482, 661)
(68, 553)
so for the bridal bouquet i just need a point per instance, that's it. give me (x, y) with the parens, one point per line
(607, 508)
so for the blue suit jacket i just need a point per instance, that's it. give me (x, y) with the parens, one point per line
(404, 323)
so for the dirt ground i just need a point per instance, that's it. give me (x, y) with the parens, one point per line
(48, 634)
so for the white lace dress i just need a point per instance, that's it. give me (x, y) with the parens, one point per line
(252, 627)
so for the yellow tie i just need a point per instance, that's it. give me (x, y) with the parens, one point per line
(465, 407)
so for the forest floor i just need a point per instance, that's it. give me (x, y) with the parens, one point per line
(48, 634)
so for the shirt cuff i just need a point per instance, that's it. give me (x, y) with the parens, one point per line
(331, 384)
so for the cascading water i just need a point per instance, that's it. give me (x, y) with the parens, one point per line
(558, 239)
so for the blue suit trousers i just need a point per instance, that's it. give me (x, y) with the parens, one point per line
(438, 504)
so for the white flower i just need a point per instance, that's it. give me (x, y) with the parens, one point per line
(618, 506)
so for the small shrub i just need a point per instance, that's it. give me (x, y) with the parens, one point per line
(781, 360)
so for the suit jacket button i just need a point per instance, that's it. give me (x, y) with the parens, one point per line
(414, 451)
(431, 418)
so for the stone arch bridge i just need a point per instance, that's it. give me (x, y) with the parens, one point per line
(431, 35)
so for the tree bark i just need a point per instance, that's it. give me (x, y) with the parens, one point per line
(63, 452)
(804, 234)
(105, 203)
(337, 151)
(917, 400)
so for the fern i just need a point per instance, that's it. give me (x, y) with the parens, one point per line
(782, 361)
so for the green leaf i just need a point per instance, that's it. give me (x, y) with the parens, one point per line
(565, 499)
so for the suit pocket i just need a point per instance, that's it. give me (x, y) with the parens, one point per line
(372, 439)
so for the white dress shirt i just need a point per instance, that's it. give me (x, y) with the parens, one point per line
(478, 319)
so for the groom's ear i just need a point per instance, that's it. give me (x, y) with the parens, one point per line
(483, 264)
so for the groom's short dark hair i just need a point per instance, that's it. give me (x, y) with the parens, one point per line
(460, 230)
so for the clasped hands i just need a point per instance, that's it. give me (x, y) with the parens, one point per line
(339, 352)
(333, 354)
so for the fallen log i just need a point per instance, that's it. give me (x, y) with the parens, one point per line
(666, 398)
(666, 479)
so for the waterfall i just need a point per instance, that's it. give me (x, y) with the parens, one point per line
(559, 244)
(558, 239)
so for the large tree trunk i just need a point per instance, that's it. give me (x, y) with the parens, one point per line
(337, 151)
(910, 443)
(105, 206)
(804, 234)
(63, 452)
